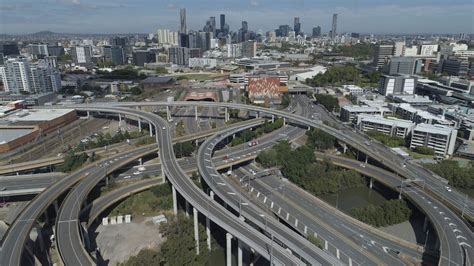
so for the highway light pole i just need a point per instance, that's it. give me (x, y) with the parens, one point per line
(271, 246)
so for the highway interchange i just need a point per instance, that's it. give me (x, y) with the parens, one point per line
(455, 235)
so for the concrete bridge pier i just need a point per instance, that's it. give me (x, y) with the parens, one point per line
(239, 253)
(208, 232)
(139, 124)
(56, 206)
(196, 113)
(140, 161)
(175, 201)
(196, 229)
(120, 119)
(344, 147)
(366, 159)
(211, 194)
(226, 114)
(151, 129)
(257, 115)
(273, 118)
(284, 121)
(371, 183)
(168, 114)
(88, 114)
(228, 246)
(425, 224)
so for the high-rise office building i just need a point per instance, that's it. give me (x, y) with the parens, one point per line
(178, 55)
(9, 48)
(213, 24)
(297, 26)
(55, 50)
(383, 52)
(20, 75)
(114, 54)
(249, 49)
(404, 65)
(283, 31)
(222, 22)
(82, 55)
(316, 32)
(38, 50)
(182, 15)
(245, 26)
(141, 57)
(334, 26)
(121, 41)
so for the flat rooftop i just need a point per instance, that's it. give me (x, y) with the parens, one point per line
(434, 129)
(9, 134)
(35, 115)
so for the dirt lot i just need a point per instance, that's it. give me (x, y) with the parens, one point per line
(118, 242)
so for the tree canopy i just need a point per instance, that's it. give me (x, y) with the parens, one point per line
(461, 177)
(389, 213)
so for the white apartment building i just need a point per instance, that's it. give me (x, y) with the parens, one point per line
(388, 126)
(441, 139)
(349, 113)
(202, 62)
(234, 50)
(20, 75)
(15, 75)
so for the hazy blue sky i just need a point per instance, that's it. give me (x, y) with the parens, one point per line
(145, 16)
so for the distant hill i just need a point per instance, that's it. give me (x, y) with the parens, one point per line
(44, 33)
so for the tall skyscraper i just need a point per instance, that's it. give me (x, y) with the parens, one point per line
(316, 31)
(182, 15)
(222, 22)
(245, 26)
(334, 26)
(297, 26)
(213, 24)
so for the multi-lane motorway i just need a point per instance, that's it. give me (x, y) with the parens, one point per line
(455, 237)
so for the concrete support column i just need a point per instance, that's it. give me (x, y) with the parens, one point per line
(168, 114)
(371, 183)
(56, 206)
(425, 224)
(140, 161)
(344, 146)
(175, 201)
(196, 229)
(211, 194)
(40, 238)
(258, 115)
(208, 232)
(120, 119)
(228, 249)
(226, 114)
(196, 113)
(273, 118)
(284, 121)
(239, 253)
(196, 142)
(151, 129)
(88, 114)
(162, 168)
(139, 124)
(366, 158)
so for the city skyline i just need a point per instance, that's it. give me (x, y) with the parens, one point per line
(367, 16)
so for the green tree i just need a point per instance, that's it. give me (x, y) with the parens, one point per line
(424, 150)
(390, 213)
(330, 102)
(161, 70)
(184, 149)
(457, 175)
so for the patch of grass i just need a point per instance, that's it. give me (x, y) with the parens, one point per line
(198, 77)
(146, 203)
